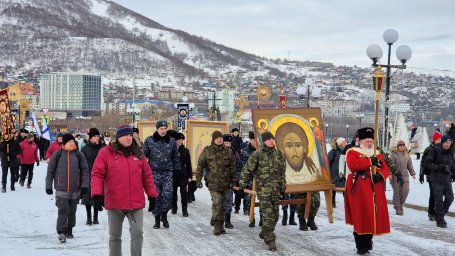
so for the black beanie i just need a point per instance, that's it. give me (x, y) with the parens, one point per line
(93, 132)
(216, 134)
(227, 137)
(67, 137)
(267, 136)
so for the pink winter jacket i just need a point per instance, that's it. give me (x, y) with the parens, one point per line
(122, 180)
(29, 152)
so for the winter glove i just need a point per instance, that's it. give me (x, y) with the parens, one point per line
(376, 162)
(37, 163)
(98, 203)
(49, 191)
(421, 179)
(399, 178)
(84, 191)
(152, 202)
(199, 184)
(377, 178)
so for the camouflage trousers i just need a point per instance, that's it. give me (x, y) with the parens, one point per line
(163, 185)
(270, 215)
(292, 207)
(314, 207)
(229, 201)
(218, 204)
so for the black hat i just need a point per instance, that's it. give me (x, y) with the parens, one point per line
(23, 130)
(172, 134)
(235, 130)
(123, 130)
(265, 136)
(251, 135)
(93, 132)
(180, 136)
(161, 123)
(365, 133)
(67, 137)
(106, 134)
(58, 135)
(227, 137)
(445, 138)
(216, 134)
(136, 130)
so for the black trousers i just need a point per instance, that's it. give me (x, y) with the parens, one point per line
(27, 169)
(183, 195)
(14, 171)
(431, 199)
(363, 243)
(66, 218)
(443, 198)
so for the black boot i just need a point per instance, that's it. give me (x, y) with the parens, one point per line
(12, 187)
(228, 223)
(185, 210)
(69, 234)
(174, 210)
(302, 224)
(164, 218)
(89, 215)
(212, 222)
(312, 224)
(284, 221)
(260, 220)
(291, 219)
(157, 222)
(95, 217)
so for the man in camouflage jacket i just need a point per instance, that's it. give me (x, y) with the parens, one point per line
(219, 163)
(269, 168)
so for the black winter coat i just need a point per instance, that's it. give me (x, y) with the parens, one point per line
(12, 151)
(90, 152)
(181, 177)
(441, 164)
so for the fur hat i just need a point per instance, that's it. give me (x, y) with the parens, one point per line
(265, 136)
(58, 135)
(445, 138)
(67, 137)
(340, 140)
(93, 132)
(436, 136)
(401, 142)
(366, 133)
(123, 130)
(180, 136)
(227, 137)
(172, 134)
(235, 130)
(251, 135)
(216, 134)
(161, 123)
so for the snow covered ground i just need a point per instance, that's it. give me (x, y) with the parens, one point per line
(28, 218)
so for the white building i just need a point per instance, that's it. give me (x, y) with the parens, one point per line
(75, 93)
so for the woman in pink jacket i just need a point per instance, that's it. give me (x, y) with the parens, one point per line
(121, 174)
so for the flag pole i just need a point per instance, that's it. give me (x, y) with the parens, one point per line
(378, 79)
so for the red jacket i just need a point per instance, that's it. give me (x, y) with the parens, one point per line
(54, 147)
(122, 180)
(360, 201)
(29, 152)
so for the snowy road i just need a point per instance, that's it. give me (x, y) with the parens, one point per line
(28, 219)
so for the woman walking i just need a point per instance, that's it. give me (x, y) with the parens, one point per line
(401, 169)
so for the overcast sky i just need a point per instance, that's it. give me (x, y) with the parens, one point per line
(322, 30)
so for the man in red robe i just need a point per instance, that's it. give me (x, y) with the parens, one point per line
(365, 200)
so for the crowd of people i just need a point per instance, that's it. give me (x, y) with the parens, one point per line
(114, 174)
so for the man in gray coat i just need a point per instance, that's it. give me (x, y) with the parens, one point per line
(68, 169)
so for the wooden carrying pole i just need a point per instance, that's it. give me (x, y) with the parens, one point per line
(378, 79)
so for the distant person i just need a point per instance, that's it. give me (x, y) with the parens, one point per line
(441, 163)
(29, 156)
(55, 146)
(120, 177)
(451, 131)
(401, 170)
(338, 144)
(183, 177)
(236, 140)
(424, 171)
(9, 151)
(67, 173)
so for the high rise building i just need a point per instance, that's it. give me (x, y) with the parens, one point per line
(75, 93)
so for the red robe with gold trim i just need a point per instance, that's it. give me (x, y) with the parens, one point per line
(365, 202)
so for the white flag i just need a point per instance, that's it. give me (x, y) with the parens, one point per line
(46, 133)
(35, 124)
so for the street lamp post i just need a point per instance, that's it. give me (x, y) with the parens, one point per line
(309, 90)
(347, 131)
(360, 116)
(403, 54)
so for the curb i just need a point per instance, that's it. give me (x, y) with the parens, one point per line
(420, 208)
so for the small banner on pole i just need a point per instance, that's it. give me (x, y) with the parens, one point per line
(183, 113)
(283, 101)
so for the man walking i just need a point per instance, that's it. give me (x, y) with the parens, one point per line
(219, 163)
(164, 159)
(121, 174)
(29, 156)
(9, 150)
(270, 167)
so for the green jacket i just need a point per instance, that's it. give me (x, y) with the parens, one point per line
(219, 163)
(269, 168)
